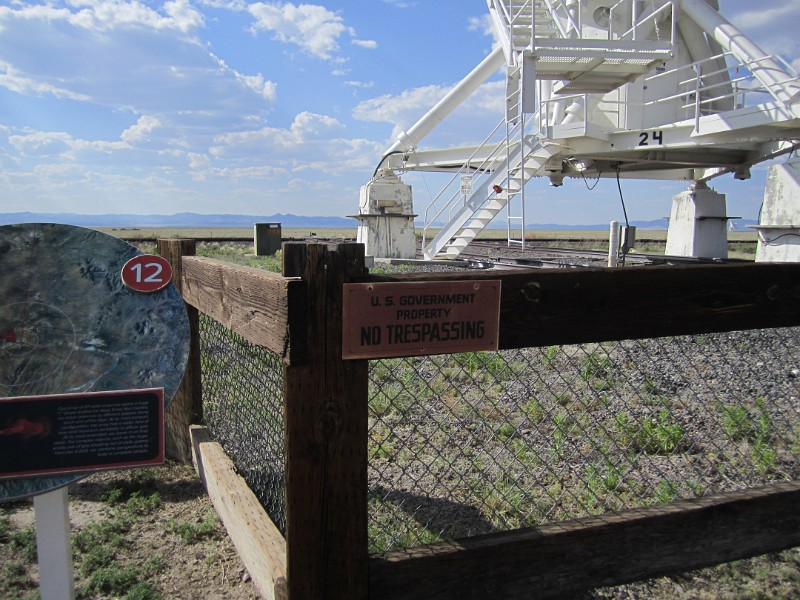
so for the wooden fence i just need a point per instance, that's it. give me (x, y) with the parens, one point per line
(324, 556)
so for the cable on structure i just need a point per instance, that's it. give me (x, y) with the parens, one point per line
(383, 160)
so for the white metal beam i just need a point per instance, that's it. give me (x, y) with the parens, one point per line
(407, 140)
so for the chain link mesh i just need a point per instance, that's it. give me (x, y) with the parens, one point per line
(473, 443)
(243, 401)
(465, 444)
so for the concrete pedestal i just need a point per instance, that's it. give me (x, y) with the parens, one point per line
(698, 224)
(779, 226)
(386, 218)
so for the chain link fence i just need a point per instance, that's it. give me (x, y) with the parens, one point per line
(466, 444)
(473, 443)
(243, 401)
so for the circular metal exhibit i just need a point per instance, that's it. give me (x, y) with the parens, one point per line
(68, 324)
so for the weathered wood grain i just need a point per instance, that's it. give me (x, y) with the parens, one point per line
(326, 438)
(186, 406)
(254, 303)
(258, 542)
(560, 560)
(548, 307)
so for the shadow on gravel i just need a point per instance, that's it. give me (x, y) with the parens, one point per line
(451, 520)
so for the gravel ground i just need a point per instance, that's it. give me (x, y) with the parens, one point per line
(550, 434)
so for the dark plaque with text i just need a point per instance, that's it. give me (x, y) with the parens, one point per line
(62, 433)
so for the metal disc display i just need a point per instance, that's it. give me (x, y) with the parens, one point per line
(68, 324)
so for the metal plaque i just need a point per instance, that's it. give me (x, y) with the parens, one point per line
(390, 319)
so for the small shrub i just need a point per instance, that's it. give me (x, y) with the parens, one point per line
(192, 533)
(657, 435)
(666, 491)
(23, 542)
(534, 410)
(113, 579)
(550, 355)
(505, 431)
(736, 423)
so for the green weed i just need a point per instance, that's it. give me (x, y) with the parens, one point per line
(488, 363)
(505, 431)
(23, 543)
(192, 533)
(657, 435)
(534, 410)
(14, 576)
(119, 581)
(736, 423)
(666, 491)
(550, 355)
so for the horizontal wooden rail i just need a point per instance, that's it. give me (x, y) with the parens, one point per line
(263, 307)
(554, 307)
(560, 560)
(260, 545)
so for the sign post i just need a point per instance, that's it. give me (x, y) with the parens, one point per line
(54, 545)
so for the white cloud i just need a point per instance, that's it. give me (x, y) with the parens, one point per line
(406, 108)
(360, 84)
(765, 16)
(305, 128)
(312, 142)
(484, 26)
(61, 145)
(772, 26)
(140, 69)
(41, 144)
(141, 131)
(105, 15)
(266, 89)
(16, 81)
(314, 28)
(400, 108)
(368, 44)
(400, 3)
(411, 104)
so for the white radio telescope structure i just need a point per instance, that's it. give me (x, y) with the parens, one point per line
(637, 89)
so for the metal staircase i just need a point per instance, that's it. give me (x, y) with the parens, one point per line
(645, 89)
(540, 39)
(467, 216)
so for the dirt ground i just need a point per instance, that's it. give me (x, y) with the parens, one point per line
(199, 564)
(207, 567)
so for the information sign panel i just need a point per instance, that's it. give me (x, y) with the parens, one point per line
(70, 324)
(66, 433)
(383, 320)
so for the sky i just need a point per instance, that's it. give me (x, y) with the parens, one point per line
(240, 107)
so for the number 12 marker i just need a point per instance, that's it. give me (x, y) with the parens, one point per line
(147, 273)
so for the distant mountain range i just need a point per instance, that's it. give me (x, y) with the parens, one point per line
(195, 220)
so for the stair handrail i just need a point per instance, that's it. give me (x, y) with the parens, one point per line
(638, 24)
(558, 10)
(467, 168)
(454, 202)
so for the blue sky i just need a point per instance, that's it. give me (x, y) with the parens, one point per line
(228, 106)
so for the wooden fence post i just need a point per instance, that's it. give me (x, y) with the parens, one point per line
(326, 438)
(186, 406)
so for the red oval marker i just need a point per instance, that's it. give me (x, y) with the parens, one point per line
(147, 273)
